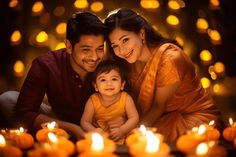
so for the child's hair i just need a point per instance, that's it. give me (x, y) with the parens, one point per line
(106, 66)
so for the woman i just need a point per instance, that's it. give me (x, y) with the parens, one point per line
(169, 95)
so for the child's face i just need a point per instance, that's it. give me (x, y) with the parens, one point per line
(109, 84)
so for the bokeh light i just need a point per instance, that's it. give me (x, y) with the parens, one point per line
(150, 4)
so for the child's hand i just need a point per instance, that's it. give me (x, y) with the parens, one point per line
(115, 134)
(99, 130)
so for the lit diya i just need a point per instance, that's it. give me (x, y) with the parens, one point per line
(42, 134)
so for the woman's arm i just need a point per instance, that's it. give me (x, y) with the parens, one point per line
(162, 95)
(131, 123)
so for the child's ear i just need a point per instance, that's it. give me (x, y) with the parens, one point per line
(95, 86)
(123, 85)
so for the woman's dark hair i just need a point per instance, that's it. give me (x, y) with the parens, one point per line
(106, 66)
(84, 23)
(129, 20)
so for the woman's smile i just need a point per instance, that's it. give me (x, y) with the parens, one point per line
(128, 54)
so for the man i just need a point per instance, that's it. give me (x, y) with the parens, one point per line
(64, 76)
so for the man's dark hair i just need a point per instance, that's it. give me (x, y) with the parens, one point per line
(83, 23)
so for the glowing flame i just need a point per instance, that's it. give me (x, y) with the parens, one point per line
(153, 142)
(212, 123)
(52, 137)
(201, 129)
(202, 149)
(143, 129)
(51, 125)
(195, 129)
(231, 122)
(21, 129)
(97, 142)
(2, 141)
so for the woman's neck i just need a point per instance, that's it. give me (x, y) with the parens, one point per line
(145, 54)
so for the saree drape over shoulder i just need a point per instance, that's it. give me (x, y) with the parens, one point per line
(189, 106)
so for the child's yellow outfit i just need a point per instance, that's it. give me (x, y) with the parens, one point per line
(103, 114)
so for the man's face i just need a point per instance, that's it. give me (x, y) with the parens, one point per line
(87, 53)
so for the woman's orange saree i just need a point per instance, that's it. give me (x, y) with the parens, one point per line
(190, 105)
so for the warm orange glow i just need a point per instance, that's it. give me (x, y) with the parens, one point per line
(97, 142)
(215, 4)
(13, 3)
(202, 149)
(61, 28)
(179, 40)
(37, 7)
(52, 137)
(173, 5)
(19, 68)
(201, 129)
(153, 143)
(205, 55)
(97, 6)
(213, 75)
(142, 129)
(60, 46)
(155, 27)
(205, 82)
(21, 129)
(16, 36)
(81, 4)
(219, 67)
(231, 122)
(2, 141)
(149, 4)
(51, 125)
(215, 36)
(172, 20)
(202, 24)
(212, 122)
(216, 88)
(42, 37)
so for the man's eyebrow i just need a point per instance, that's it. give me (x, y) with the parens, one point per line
(85, 46)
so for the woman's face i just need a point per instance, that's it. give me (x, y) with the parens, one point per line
(126, 44)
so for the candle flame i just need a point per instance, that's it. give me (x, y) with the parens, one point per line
(231, 122)
(52, 137)
(212, 123)
(2, 141)
(195, 129)
(143, 129)
(51, 125)
(153, 142)
(97, 142)
(202, 149)
(21, 129)
(201, 129)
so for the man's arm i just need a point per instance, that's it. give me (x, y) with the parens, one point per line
(69, 127)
